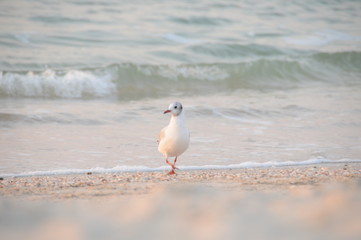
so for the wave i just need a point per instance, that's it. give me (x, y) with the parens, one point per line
(133, 81)
(71, 84)
(239, 50)
(127, 169)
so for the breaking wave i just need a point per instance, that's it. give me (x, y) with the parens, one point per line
(133, 81)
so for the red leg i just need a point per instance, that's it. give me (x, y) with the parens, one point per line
(175, 160)
(169, 163)
(172, 165)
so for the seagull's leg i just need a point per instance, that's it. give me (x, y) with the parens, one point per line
(173, 167)
(175, 160)
(169, 163)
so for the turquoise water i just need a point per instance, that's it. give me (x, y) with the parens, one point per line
(94, 71)
(77, 34)
(131, 50)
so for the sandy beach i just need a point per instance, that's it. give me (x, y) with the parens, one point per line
(97, 186)
(314, 202)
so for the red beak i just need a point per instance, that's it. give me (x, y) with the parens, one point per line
(166, 111)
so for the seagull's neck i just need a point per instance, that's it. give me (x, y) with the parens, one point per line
(178, 120)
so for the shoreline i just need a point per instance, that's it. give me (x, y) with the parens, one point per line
(140, 169)
(92, 185)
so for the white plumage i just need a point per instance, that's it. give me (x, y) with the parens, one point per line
(173, 140)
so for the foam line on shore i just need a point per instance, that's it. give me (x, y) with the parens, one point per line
(127, 169)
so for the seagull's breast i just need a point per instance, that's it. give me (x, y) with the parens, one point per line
(175, 140)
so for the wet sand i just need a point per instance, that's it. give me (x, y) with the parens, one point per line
(91, 185)
(314, 202)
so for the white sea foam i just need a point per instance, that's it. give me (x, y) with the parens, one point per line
(130, 169)
(321, 38)
(240, 119)
(210, 73)
(72, 84)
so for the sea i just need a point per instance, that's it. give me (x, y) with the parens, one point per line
(84, 83)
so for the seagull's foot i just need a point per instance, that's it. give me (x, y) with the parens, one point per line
(172, 172)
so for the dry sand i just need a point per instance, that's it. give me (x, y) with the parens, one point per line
(308, 202)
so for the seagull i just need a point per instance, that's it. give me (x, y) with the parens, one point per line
(173, 140)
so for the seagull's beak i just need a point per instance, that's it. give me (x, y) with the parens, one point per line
(166, 111)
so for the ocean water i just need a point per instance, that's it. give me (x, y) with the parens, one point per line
(83, 84)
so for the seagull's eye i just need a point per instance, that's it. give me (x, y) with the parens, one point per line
(175, 107)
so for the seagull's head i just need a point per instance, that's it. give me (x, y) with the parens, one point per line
(174, 108)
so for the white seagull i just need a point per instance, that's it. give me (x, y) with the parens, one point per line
(173, 140)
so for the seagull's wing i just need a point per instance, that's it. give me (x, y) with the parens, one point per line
(161, 135)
